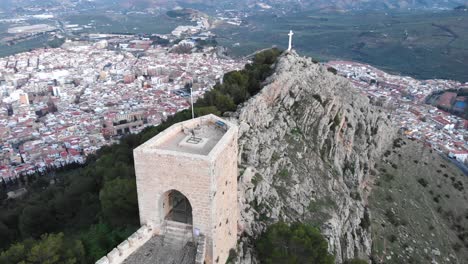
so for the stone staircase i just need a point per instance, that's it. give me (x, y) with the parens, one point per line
(177, 234)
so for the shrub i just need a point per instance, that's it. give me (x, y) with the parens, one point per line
(256, 179)
(458, 185)
(355, 196)
(297, 243)
(296, 131)
(284, 174)
(388, 177)
(423, 182)
(365, 220)
(232, 256)
(392, 218)
(332, 70)
(318, 98)
(355, 261)
(389, 198)
(456, 247)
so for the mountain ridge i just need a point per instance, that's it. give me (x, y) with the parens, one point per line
(312, 149)
(307, 143)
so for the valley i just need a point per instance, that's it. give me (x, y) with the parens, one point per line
(424, 45)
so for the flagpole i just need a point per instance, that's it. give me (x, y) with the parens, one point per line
(191, 102)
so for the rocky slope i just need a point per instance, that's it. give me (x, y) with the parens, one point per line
(307, 145)
(418, 206)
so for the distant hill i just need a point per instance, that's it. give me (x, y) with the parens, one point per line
(325, 5)
(333, 5)
(346, 5)
(461, 8)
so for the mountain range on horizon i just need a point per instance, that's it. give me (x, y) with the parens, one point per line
(325, 5)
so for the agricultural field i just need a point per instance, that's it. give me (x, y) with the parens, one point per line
(425, 45)
(87, 22)
(130, 23)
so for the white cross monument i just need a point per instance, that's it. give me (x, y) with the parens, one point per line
(290, 40)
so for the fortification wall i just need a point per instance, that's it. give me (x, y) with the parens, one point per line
(128, 246)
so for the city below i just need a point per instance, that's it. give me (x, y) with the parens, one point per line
(405, 99)
(60, 105)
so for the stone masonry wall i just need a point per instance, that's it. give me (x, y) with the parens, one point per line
(225, 209)
(156, 174)
(128, 246)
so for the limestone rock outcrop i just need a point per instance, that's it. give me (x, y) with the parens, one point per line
(307, 147)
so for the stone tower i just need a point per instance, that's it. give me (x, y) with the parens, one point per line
(188, 174)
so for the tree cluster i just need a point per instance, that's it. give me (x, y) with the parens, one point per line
(296, 243)
(239, 86)
(50, 249)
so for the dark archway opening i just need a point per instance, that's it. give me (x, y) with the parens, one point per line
(177, 207)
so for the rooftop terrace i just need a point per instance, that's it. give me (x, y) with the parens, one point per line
(196, 136)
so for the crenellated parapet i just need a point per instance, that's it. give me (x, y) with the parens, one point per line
(128, 246)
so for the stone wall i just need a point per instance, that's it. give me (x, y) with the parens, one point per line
(128, 246)
(157, 174)
(225, 209)
(201, 250)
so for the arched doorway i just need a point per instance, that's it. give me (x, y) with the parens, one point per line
(177, 207)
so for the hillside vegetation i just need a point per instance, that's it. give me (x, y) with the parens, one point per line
(418, 207)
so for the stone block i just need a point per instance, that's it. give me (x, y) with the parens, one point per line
(114, 256)
(103, 260)
(124, 247)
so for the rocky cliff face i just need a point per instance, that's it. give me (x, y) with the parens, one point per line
(307, 145)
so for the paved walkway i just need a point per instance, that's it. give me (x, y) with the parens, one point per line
(154, 252)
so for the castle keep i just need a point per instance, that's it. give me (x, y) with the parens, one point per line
(187, 193)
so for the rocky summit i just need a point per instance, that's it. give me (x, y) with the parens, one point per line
(307, 144)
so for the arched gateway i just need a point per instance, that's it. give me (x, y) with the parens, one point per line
(176, 207)
(187, 179)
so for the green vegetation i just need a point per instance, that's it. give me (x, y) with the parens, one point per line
(365, 220)
(256, 179)
(232, 256)
(284, 174)
(181, 13)
(56, 42)
(50, 249)
(423, 182)
(332, 70)
(419, 201)
(238, 86)
(355, 261)
(95, 206)
(388, 177)
(296, 131)
(274, 157)
(297, 243)
(126, 23)
(323, 203)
